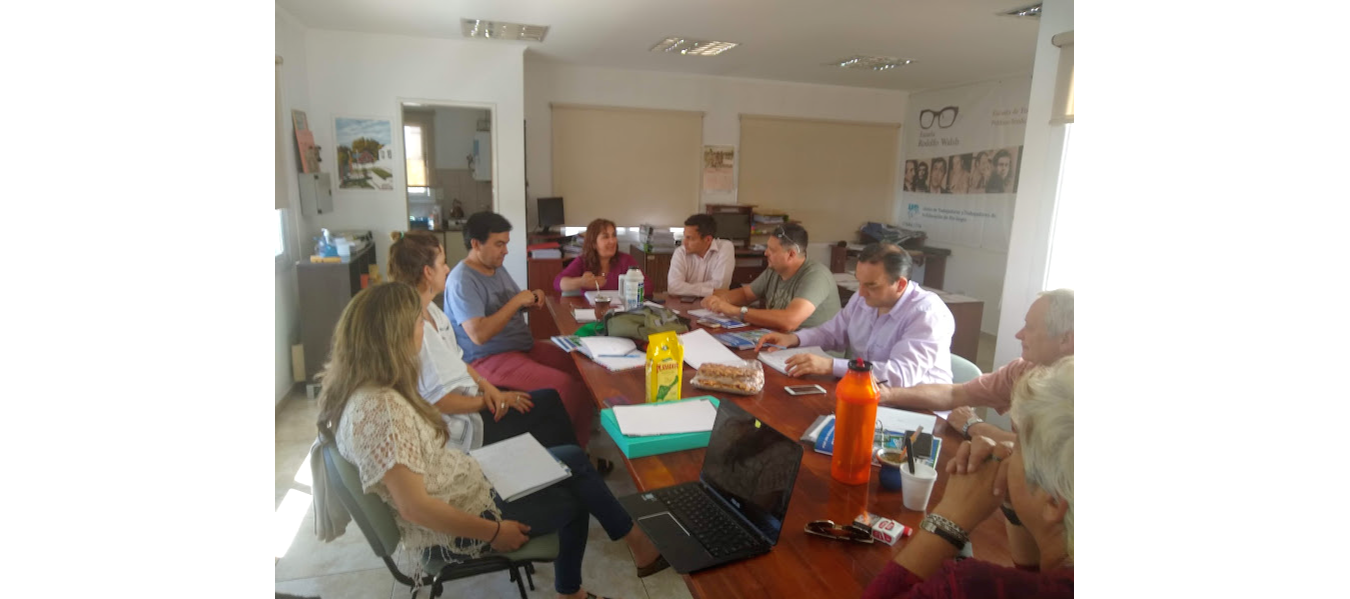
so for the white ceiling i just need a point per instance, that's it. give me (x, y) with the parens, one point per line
(952, 42)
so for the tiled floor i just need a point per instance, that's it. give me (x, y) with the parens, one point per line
(346, 568)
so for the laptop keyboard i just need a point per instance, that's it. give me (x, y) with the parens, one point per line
(719, 533)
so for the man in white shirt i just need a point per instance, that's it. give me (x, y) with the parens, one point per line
(703, 263)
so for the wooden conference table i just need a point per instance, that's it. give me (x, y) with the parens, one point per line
(801, 565)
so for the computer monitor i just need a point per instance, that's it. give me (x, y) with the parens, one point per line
(550, 212)
(733, 225)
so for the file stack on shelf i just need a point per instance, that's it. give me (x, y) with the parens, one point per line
(546, 250)
(656, 239)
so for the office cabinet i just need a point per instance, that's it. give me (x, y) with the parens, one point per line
(325, 289)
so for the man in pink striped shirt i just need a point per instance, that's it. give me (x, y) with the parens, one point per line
(1046, 337)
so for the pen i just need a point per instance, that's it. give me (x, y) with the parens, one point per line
(627, 355)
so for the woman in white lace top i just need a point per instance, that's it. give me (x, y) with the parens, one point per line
(442, 502)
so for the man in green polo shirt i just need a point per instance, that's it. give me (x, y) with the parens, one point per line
(797, 292)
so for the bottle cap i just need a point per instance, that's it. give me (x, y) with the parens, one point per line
(859, 365)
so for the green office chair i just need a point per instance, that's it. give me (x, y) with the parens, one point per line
(376, 521)
(963, 370)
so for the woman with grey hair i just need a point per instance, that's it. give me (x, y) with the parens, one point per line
(1032, 480)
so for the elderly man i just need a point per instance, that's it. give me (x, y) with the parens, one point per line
(797, 292)
(903, 330)
(1046, 336)
(703, 264)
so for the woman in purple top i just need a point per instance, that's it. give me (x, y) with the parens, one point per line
(600, 262)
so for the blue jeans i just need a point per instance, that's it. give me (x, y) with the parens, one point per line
(565, 508)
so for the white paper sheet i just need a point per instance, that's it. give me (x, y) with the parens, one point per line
(777, 360)
(583, 314)
(701, 348)
(904, 420)
(519, 466)
(666, 418)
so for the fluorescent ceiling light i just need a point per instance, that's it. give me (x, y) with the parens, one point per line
(870, 63)
(1031, 11)
(501, 30)
(688, 47)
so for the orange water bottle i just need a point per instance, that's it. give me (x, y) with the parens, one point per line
(855, 421)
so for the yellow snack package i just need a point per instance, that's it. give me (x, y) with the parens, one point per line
(665, 366)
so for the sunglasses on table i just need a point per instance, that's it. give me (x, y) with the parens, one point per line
(830, 530)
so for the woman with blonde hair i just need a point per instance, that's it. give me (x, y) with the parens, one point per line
(1032, 480)
(476, 412)
(601, 263)
(444, 507)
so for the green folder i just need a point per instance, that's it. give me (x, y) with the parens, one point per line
(641, 447)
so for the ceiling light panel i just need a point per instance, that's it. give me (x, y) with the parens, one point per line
(1031, 11)
(870, 63)
(501, 30)
(688, 47)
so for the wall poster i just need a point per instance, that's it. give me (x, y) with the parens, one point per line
(963, 156)
(719, 163)
(365, 153)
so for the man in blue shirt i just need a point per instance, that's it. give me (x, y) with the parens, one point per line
(487, 310)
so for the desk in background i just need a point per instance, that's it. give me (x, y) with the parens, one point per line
(801, 565)
(656, 264)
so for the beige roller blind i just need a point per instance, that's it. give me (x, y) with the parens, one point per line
(832, 176)
(630, 166)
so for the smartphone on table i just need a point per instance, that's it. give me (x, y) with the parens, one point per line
(804, 389)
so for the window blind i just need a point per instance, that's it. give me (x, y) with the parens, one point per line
(631, 166)
(832, 176)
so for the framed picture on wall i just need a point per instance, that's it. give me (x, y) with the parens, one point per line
(365, 152)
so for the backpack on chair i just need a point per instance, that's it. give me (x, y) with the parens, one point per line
(638, 323)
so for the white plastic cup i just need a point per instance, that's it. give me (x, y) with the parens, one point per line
(917, 487)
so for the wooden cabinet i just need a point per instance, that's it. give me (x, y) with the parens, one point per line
(325, 289)
(656, 265)
(542, 271)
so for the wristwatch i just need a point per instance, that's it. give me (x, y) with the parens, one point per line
(965, 430)
(744, 309)
(946, 529)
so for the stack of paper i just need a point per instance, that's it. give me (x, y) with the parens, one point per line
(666, 418)
(701, 348)
(519, 466)
(777, 360)
(583, 314)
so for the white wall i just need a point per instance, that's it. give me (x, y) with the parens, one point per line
(454, 135)
(290, 46)
(358, 74)
(1028, 249)
(722, 99)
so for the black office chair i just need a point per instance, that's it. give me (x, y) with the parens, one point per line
(376, 521)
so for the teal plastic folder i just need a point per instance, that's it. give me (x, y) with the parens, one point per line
(641, 447)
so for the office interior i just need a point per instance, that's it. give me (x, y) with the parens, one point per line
(410, 62)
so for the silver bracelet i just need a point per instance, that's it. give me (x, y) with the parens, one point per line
(946, 529)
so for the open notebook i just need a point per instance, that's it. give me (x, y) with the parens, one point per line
(519, 466)
(777, 360)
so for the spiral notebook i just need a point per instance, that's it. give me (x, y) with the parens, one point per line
(519, 466)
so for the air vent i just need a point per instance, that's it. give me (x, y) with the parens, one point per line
(1032, 11)
(688, 47)
(501, 30)
(870, 63)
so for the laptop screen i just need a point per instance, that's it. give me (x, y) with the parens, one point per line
(752, 467)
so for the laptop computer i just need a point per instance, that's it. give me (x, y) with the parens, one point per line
(736, 508)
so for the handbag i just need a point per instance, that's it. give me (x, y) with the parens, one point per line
(640, 322)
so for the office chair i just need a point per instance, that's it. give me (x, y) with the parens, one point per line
(376, 521)
(963, 370)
